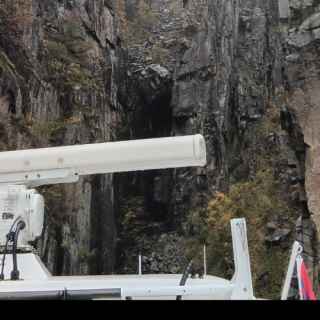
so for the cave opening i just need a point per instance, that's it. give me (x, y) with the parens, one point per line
(145, 194)
(154, 120)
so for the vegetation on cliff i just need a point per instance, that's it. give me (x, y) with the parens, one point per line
(263, 201)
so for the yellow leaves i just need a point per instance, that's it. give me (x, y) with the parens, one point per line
(218, 200)
(226, 218)
(73, 120)
(255, 200)
(46, 129)
(220, 196)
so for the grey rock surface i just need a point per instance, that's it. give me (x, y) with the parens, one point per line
(243, 73)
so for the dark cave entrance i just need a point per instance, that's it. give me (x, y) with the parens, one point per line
(154, 120)
(147, 194)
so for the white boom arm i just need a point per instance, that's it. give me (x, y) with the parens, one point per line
(20, 170)
(37, 167)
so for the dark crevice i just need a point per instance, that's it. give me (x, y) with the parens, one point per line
(12, 102)
(60, 253)
(103, 230)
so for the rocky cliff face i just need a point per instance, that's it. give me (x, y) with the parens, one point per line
(58, 61)
(243, 73)
(223, 67)
(302, 50)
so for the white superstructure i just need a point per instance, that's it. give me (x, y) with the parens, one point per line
(19, 201)
(22, 213)
(37, 283)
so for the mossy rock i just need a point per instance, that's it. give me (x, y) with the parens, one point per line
(58, 51)
(7, 66)
(67, 60)
(47, 129)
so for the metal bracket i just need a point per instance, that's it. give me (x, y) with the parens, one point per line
(242, 279)
(39, 178)
(296, 251)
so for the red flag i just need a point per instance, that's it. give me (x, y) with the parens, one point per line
(306, 290)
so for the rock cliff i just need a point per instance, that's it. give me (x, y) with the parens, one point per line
(58, 61)
(243, 73)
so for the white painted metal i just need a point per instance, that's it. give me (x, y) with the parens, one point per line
(18, 201)
(141, 287)
(205, 260)
(140, 264)
(36, 178)
(29, 265)
(296, 251)
(65, 164)
(145, 287)
(37, 282)
(242, 280)
(299, 261)
(194, 292)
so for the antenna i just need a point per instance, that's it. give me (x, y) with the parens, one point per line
(140, 264)
(205, 260)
